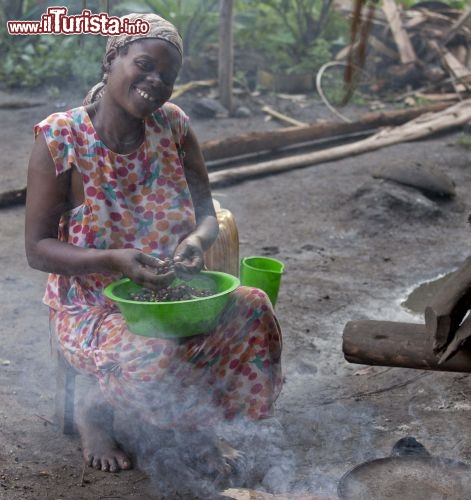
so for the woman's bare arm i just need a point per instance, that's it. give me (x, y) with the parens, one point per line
(198, 182)
(46, 200)
(189, 254)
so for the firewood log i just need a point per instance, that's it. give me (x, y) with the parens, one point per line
(13, 197)
(405, 345)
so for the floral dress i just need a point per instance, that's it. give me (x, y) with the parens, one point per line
(141, 200)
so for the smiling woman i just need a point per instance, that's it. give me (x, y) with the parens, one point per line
(140, 79)
(115, 188)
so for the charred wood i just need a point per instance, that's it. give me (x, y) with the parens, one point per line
(13, 197)
(445, 313)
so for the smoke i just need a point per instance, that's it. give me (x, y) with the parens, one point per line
(277, 458)
(188, 464)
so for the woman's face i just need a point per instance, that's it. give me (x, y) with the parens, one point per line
(141, 78)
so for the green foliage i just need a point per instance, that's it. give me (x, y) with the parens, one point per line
(28, 61)
(464, 140)
(289, 36)
(196, 20)
(292, 36)
(51, 59)
(454, 4)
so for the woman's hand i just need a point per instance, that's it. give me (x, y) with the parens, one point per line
(144, 269)
(188, 257)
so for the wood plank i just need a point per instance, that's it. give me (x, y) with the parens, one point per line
(403, 43)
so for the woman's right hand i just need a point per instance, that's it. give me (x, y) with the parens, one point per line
(143, 269)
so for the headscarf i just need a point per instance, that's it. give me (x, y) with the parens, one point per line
(158, 28)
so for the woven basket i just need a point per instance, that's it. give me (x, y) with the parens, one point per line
(224, 253)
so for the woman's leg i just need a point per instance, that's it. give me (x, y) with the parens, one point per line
(94, 416)
(95, 426)
(235, 371)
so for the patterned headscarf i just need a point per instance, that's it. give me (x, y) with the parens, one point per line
(158, 28)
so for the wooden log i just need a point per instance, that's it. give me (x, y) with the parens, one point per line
(13, 197)
(396, 344)
(255, 142)
(425, 125)
(450, 305)
(265, 141)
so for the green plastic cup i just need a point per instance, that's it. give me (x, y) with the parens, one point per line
(264, 273)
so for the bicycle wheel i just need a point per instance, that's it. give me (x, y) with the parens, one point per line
(336, 94)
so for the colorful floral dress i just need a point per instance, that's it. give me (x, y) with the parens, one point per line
(141, 200)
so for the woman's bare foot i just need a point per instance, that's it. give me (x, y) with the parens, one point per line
(95, 426)
(209, 454)
(230, 455)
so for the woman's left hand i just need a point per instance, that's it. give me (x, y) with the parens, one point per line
(188, 257)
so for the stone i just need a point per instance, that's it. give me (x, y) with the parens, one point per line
(429, 180)
(385, 201)
(209, 108)
(242, 112)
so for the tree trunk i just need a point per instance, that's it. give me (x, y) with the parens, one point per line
(226, 53)
(13, 9)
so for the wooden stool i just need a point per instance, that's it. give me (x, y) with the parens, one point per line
(222, 256)
(65, 394)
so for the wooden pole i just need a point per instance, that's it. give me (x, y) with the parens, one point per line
(105, 6)
(226, 53)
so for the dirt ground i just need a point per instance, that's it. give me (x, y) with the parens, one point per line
(354, 248)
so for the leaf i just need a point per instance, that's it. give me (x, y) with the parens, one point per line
(29, 49)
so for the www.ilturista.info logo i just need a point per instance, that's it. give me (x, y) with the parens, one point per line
(56, 22)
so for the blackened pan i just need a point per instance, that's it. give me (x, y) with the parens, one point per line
(410, 473)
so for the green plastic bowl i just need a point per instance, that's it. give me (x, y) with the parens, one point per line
(182, 318)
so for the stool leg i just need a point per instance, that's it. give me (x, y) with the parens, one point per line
(65, 394)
